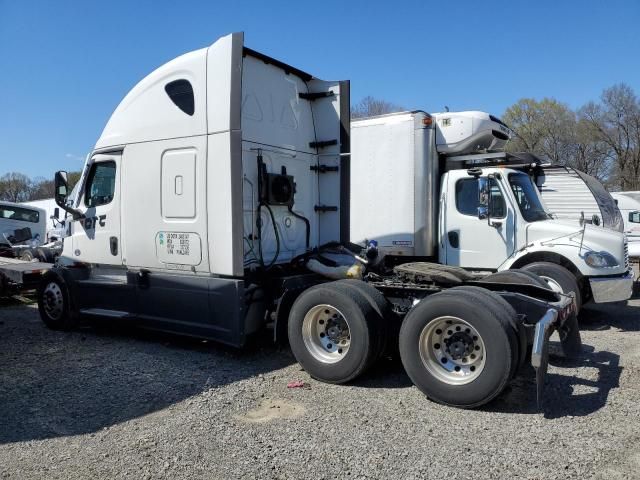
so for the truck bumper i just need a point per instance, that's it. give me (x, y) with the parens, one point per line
(612, 289)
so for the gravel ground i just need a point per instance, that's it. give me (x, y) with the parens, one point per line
(114, 402)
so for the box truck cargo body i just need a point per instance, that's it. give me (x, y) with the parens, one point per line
(216, 202)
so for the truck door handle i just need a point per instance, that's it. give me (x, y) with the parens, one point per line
(113, 245)
(495, 224)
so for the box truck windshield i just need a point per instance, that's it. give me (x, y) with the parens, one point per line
(527, 197)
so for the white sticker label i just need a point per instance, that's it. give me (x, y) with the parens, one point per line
(178, 248)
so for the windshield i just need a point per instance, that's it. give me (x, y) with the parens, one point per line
(526, 196)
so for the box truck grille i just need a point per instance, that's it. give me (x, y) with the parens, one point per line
(626, 252)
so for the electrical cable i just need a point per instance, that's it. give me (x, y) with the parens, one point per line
(306, 222)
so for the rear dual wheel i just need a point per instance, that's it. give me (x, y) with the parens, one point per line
(458, 351)
(335, 331)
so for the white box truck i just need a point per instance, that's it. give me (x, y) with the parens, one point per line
(217, 190)
(433, 187)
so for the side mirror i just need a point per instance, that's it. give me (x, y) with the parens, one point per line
(483, 198)
(595, 220)
(56, 213)
(61, 188)
(634, 217)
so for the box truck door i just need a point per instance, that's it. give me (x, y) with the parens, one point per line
(96, 237)
(474, 242)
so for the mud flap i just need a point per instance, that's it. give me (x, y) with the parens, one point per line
(570, 340)
(540, 350)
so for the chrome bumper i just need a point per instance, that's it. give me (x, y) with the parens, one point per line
(612, 289)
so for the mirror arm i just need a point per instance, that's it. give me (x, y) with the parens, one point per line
(75, 214)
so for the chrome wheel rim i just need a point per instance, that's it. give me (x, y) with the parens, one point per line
(326, 334)
(53, 301)
(553, 285)
(452, 350)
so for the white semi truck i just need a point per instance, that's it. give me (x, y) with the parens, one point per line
(217, 190)
(434, 187)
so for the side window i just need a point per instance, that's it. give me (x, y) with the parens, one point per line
(101, 184)
(467, 198)
(181, 93)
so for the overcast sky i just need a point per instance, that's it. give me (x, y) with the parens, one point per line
(64, 65)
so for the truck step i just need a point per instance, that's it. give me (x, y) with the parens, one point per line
(105, 281)
(103, 312)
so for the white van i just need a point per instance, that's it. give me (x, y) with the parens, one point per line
(21, 224)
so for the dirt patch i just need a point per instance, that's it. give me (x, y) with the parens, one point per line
(272, 410)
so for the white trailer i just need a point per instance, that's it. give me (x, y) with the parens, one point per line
(436, 193)
(570, 194)
(217, 189)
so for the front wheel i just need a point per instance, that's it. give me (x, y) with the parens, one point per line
(455, 351)
(558, 278)
(54, 304)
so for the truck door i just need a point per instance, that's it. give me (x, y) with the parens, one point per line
(96, 237)
(470, 241)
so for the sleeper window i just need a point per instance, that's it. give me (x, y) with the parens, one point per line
(101, 184)
(181, 93)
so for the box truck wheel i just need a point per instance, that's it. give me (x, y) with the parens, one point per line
(333, 333)
(557, 277)
(54, 305)
(456, 351)
(505, 313)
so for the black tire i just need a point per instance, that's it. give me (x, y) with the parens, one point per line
(364, 332)
(563, 277)
(385, 318)
(53, 296)
(500, 357)
(520, 277)
(505, 313)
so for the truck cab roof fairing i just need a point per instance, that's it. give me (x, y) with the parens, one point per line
(158, 106)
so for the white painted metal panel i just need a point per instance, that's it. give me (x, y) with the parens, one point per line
(326, 113)
(224, 180)
(179, 183)
(272, 111)
(382, 161)
(142, 192)
(224, 74)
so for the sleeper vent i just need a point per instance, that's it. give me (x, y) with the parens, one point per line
(181, 93)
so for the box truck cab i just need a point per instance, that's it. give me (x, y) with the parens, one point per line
(435, 196)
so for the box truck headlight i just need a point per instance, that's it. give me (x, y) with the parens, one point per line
(600, 260)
